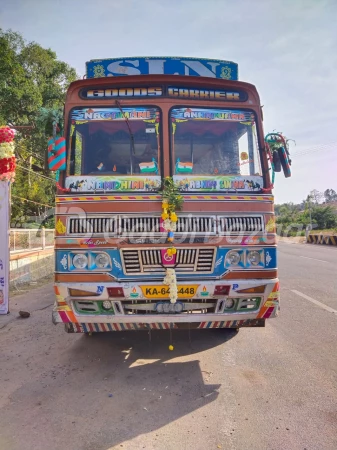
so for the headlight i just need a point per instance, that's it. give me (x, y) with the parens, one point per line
(254, 258)
(80, 261)
(102, 261)
(233, 258)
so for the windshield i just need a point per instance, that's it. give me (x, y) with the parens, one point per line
(214, 142)
(115, 141)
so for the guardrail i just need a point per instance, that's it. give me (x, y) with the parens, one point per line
(26, 239)
(323, 239)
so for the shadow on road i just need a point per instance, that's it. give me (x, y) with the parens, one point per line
(150, 386)
(109, 388)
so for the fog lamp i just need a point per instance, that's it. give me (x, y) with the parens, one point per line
(229, 303)
(107, 305)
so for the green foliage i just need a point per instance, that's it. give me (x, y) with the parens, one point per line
(172, 195)
(324, 217)
(290, 217)
(33, 84)
(47, 118)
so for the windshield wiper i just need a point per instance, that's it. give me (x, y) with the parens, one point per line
(128, 125)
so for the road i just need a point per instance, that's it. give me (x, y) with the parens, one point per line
(266, 388)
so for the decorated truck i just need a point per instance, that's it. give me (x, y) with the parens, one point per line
(164, 209)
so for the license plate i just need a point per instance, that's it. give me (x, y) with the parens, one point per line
(160, 291)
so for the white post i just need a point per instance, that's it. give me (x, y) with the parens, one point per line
(43, 234)
(4, 247)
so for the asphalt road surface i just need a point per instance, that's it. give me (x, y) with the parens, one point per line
(264, 388)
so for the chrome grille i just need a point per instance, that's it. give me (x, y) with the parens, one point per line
(89, 225)
(185, 224)
(238, 224)
(133, 225)
(196, 224)
(151, 261)
(137, 225)
(188, 260)
(131, 261)
(205, 260)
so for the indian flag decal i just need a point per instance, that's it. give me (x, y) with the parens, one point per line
(184, 167)
(148, 167)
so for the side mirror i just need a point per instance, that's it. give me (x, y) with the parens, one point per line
(285, 161)
(276, 161)
(278, 153)
(56, 154)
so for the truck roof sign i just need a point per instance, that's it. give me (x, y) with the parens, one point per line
(164, 65)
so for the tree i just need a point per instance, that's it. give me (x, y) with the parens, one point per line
(324, 217)
(330, 196)
(31, 78)
(316, 196)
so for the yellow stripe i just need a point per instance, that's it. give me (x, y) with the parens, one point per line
(141, 197)
(63, 308)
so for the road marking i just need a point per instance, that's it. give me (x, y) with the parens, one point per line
(307, 257)
(316, 302)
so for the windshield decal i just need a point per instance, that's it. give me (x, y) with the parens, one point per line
(218, 183)
(112, 183)
(212, 114)
(101, 114)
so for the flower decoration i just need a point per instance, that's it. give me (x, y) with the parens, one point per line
(172, 201)
(6, 150)
(171, 281)
(7, 158)
(6, 134)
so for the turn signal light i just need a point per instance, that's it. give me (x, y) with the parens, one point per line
(81, 293)
(115, 292)
(221, 290)
(253, 290)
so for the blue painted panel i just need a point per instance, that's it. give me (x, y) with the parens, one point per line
(63, 261)
(168, 65)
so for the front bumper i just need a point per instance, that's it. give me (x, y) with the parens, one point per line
(65, 309)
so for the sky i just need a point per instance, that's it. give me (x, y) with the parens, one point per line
(287, 48)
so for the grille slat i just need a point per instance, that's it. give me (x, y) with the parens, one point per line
(89, 225)
(192, 224)
(240, 224)
(139, 225)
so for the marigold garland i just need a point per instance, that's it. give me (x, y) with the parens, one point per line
(7, 158)
(6, 150)
(7, 169)
(6, 134)
(172, 201)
